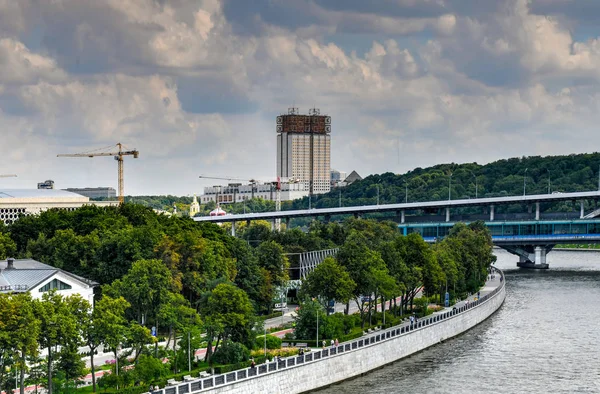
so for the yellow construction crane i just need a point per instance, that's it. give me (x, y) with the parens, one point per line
(118, 157)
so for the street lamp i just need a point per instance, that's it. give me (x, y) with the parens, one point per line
(406, 190)
(475, 182)
(377, 194)
(525, 180)
(450, 187)
(547, 169)
(317, 326)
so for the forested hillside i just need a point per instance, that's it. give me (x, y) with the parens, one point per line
(570, 173)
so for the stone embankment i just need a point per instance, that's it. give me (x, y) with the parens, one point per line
(320, 368)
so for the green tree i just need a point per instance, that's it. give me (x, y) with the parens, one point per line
(8, 247)
(19, 330)
(146, 287)
(366, 268)
(329, 281)
(112, 324)
(271, 256)
(229, 315)
(58, 326)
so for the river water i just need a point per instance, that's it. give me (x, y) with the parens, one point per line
(544, 339)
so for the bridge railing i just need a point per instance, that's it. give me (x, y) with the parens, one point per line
(205, 384)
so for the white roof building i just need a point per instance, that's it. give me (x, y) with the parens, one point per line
(27, 275)
(16, 202)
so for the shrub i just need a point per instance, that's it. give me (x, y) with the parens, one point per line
(231, 353)
(272, 342)
(149, 369)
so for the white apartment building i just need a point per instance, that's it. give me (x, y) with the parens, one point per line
(237, 192)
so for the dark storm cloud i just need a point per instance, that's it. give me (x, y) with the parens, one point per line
(580, 11)
(204, 96)
(250, 17)
(95, 38)
(392, 8)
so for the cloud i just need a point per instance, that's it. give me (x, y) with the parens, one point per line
(195, 85)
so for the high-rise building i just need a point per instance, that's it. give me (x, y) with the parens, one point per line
(304, 149)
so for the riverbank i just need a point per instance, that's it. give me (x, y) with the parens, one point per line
(324, 367)
(562, 249)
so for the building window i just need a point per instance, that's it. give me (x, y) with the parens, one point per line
(55, 284)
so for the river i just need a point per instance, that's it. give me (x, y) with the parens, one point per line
(544, 339)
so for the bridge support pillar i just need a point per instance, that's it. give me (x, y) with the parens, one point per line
(357, 216)
(448, 214)
(491, 213)
(247, 223)
(402, 217)
(530, 256)
(273, 225)
(581, 212)
(233, 229)
(529, 209)
(327, 218)
(287, 223)
(537, 211)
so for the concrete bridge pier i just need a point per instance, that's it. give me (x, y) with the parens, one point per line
(287, 223)
(537, 211)
(402, 217)
(581, 212)
(491, 213)
(447, 214)
(530, 256)
(233, 229)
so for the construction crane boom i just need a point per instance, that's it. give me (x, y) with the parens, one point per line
(8, 176)
(118, 155)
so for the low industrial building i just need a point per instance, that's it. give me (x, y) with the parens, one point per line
(17, 202)
(94, 192)
(27, 275)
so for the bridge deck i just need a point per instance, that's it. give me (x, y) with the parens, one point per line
(531, 199)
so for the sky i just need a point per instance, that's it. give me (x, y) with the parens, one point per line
(196, 85)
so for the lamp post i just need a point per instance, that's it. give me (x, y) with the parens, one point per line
(265, 342)
(525, 180)
(189, 352)
(317, 326)
(340, 198)
(450, 187)
(406, 190)
(377, 194)
(475, 182)
(548, 180)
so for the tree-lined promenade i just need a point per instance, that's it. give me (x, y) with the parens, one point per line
(202, 288)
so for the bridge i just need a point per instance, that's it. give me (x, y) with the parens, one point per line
(429, 206)
(530, 240)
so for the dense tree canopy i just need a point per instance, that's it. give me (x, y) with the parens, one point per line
(568, 173)
(180, 276)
